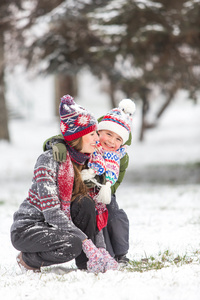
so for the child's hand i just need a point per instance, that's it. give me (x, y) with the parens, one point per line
(104, 195)
(87, 174)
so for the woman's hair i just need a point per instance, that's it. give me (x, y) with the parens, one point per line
(76, 144)
(79, 188)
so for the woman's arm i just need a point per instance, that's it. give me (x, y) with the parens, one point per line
(46, 191)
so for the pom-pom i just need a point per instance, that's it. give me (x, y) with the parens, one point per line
(104, 195)
(127, 106)
(67, 99)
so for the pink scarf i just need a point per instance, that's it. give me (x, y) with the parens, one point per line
(65, 184)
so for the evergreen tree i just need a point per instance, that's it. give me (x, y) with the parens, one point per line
(138, 45)
(65, 45)
(156, 44)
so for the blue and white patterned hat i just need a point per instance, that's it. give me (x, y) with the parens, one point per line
(119, 120)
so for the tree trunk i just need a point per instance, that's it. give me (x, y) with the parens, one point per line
(112, 95)
(164, 106)
(4, 133)
(145, 107)
(64, 84)
(167, 102)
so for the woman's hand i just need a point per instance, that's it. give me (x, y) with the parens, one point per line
(96, 263)
(99, 260)
(111, 263)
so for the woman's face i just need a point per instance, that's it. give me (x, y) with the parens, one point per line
(89, 142)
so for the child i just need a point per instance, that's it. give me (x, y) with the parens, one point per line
(111, 159)
(113, 130)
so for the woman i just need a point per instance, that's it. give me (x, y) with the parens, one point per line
(56, 222)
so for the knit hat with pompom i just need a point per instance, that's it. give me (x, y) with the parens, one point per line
(75, 121)
(119, 119)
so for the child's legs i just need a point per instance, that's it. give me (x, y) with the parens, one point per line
(84, 217)
(44, 245)
(117, 231)
(109, 247)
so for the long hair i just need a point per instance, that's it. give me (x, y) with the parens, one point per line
(79, 188)
(76, 144)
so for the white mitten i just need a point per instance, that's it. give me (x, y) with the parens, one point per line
(87, 174)
(104, 195)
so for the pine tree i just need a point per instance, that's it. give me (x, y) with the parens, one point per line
(64, 47)
(138, 46)
(156, 44)
(65, 43)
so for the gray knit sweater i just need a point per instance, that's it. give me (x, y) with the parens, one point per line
(43, 202)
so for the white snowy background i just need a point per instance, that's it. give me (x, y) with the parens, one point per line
(160, 194)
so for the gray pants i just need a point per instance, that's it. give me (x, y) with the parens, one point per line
(116, 233)
(43, 244)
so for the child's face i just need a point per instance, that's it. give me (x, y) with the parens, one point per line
(109, 140)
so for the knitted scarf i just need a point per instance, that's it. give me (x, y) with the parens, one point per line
(65, 184)
(66, 177)
(108, 162)
(76, 156)
(101, 210)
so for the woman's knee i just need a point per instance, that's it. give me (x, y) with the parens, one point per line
(73, 246)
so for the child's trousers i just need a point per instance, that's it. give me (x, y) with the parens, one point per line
(116, 233)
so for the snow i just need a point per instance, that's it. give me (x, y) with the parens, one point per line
(160, 194)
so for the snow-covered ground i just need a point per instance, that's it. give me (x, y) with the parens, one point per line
(160, 193)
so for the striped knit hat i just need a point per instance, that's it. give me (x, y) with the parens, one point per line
(119, 119)
(75, 121)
